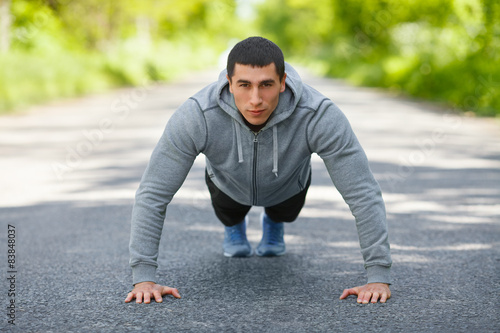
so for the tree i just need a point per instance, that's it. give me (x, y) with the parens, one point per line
(4, 25)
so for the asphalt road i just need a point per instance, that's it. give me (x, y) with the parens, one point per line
(70, 170)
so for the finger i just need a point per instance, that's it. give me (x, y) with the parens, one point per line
(375, 297)
(176, 293)
(130, 297)
(383, 298)
(360, 297)
(157, 296)
(171, 291)
(348, 292)
(138, 297)
(147, 297)
(364, 297)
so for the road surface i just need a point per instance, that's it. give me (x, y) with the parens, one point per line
(70, 170)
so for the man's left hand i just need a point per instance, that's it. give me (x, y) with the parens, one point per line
(372, 291)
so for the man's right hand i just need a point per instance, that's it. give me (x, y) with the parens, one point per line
(145, 290)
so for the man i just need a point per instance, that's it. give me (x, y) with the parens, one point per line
(258, 126)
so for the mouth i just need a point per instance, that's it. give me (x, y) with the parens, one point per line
(256, 112)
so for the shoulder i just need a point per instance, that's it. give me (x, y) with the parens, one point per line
(313, 100)
(196, 105)
(325, 115)
(206, 98)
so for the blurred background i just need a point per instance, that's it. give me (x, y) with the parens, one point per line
(445, 51)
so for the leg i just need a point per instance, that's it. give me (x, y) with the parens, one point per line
(288, 210)
(272, 242)
(233, 215)
(226, 209)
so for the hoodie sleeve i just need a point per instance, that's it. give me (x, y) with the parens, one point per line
(170, 162)
(331, 137)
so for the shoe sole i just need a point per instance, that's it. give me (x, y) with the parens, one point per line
(270, 254)
(238, 255)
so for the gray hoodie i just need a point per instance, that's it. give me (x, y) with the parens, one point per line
(261, 169)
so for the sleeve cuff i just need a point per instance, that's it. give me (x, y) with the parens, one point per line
(143, 273)
(379, 274)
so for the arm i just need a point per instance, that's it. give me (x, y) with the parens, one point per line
(169, 165)
(332, 138)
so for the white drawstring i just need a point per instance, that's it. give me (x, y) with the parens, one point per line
(238, 141)
(275, 150)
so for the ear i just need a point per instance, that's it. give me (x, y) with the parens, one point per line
(230, 85)
(283, 85)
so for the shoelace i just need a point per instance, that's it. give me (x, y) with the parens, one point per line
(236, 235)
(272, 233)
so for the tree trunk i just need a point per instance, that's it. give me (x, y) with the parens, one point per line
(4, 25)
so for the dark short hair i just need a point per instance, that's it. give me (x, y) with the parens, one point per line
(257, 52)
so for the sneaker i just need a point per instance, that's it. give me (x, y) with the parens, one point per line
(235, 241)
(272, 242)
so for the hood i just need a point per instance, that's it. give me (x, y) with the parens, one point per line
(287, 103)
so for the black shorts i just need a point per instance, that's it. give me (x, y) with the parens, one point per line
(231, 212)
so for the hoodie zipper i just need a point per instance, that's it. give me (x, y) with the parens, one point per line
(254, 173)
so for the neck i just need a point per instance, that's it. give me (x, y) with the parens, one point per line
(254, 128)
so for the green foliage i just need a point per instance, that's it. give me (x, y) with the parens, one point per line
(443, 50)
(62, 48)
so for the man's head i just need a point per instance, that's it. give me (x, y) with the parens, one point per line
(256, 75)
(256, 52)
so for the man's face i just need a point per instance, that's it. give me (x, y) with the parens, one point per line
(256, 91)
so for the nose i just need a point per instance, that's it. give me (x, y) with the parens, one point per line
(255, 98)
